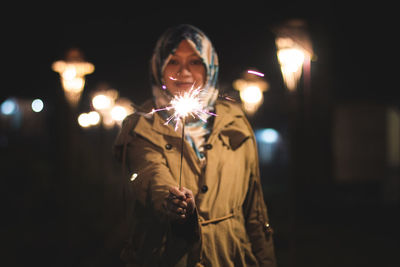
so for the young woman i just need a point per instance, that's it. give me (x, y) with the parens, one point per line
(217, 217)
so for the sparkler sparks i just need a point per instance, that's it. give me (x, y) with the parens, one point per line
(185, 104)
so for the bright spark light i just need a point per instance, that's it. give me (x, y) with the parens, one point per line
(185, 104)
(256, 73)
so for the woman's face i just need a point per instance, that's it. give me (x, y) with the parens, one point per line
(184, 70)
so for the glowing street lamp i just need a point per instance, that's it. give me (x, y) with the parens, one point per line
(251, 87)
(86, 120)
(294, 52)
(291, 60)
(111, 108)
(122, 108)
(72, 73)
(104, 100)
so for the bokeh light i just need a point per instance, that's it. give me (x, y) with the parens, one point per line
(86, 120)
(118, 113)
(101, 102)
(37, 105)
(9, 107)
(251, 95)
(268, 135)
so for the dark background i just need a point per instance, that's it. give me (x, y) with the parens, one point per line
(62, 190)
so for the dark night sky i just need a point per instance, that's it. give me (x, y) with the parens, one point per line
(119, 42)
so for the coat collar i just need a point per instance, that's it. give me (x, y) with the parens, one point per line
(232, 127)
(147, 125)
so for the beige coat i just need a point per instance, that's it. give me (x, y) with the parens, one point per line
(230, 226)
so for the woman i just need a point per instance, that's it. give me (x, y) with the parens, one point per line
(217, 217)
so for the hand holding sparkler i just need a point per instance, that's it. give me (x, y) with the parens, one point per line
(180, 203)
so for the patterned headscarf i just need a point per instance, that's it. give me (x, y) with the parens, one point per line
(166, 47)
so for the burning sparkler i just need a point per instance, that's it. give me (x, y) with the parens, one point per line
(185, 104)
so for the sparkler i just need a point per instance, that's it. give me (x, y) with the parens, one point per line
(185, 104)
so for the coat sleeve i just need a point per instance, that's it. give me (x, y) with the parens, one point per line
(144, 168)
(150, 175)
(257, 221)
(149, 179)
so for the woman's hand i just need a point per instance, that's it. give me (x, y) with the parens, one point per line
(180, 203)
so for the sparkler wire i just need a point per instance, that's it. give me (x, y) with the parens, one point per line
(183, 140)
(185, 104)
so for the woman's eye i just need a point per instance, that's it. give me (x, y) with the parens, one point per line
(196, 62)
(173, 62)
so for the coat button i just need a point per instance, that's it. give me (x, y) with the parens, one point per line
(168, 146)
(204, 188)
(208, 146)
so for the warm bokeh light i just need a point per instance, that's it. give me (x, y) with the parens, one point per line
(123, 107)
(291, 61)
(94, 117)
(83, 120)
(86, 120)
(251, 87)
(118, 113)
(37, 105)
(107, 121)
(101, 102)
(294, 52)
(251, 94)
(75, 85)
(111, 108)
(252, 97)
(72, 73)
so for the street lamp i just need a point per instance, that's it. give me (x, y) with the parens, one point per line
(294, 52)
(122, 108)
(72, 72)
(251, 86)
(111, 107)
(86, 120)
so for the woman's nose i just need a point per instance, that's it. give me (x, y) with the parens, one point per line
(183, 71)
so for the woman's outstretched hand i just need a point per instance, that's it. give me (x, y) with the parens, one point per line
(180, 203)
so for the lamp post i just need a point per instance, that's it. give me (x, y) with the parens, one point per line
(294, 52)
(251, 87)
(71, 156)
(72, 72)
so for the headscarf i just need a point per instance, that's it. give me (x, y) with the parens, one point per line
(166, 47)
(196, 132)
